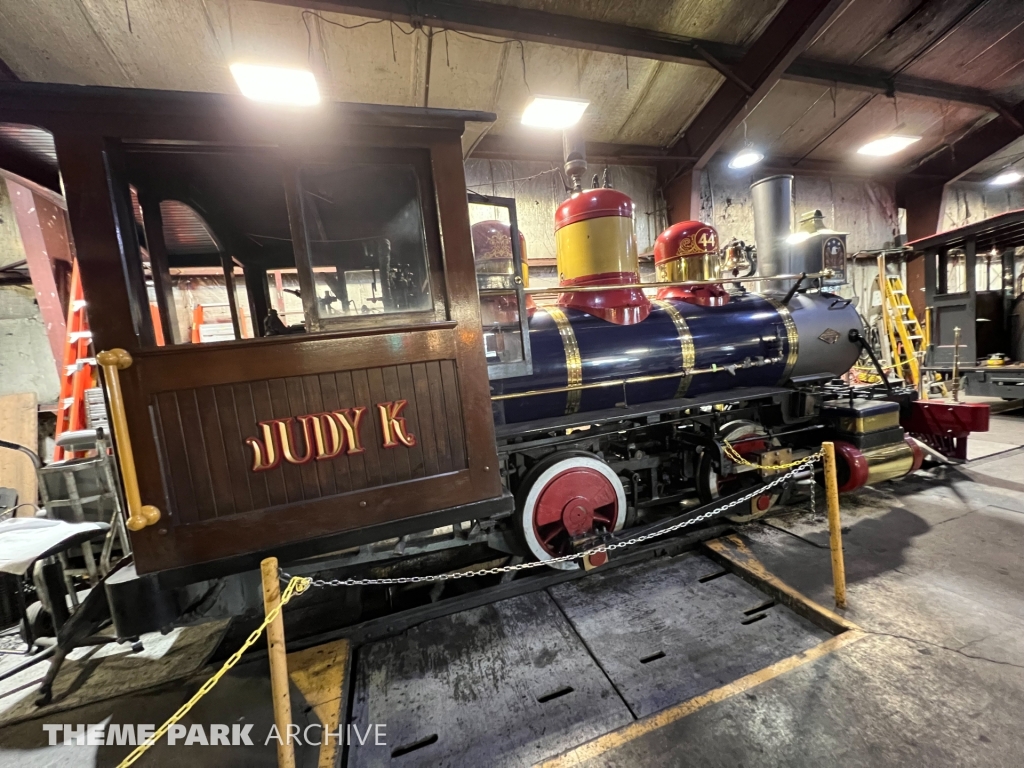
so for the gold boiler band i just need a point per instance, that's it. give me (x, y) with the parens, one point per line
(573, 361)
(689, 352)
(792, 337)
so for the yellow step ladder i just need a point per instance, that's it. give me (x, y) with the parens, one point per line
(906, 336)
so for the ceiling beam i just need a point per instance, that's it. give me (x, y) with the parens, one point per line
(7, 74)
(480, 17)
(790, 31)
(923, 193)
(549, 150)
(952, 161)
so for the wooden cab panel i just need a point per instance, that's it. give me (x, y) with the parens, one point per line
(292, 444)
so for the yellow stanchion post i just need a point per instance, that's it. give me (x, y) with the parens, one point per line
(834, 524)
(278, 662)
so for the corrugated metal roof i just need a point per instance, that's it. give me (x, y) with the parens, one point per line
(35, 141)
(185, 231)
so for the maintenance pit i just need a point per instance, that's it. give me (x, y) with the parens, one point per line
(715, 652)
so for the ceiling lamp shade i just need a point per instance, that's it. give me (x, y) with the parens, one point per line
(746, 157)
(1006, 178)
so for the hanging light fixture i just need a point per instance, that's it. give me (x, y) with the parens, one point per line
(747, 156)
(1006, 178)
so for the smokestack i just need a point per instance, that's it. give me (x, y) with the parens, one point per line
(773, 216)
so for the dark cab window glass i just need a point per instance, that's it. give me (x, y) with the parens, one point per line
(367, 246)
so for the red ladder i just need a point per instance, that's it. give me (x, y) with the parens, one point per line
(79, 370)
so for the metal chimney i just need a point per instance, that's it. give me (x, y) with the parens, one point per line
(773, 216)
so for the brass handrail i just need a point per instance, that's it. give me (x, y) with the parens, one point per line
(139, 515)
(667, 284)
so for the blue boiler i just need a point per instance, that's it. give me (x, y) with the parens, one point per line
(571, 348)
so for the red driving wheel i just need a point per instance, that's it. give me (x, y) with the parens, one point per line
(568, 495)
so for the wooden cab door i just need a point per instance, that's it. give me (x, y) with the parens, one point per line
(368, 416)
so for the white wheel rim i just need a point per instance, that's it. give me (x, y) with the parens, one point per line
(549, 474)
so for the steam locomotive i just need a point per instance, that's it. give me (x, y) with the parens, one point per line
(425, 401)
(632, 401)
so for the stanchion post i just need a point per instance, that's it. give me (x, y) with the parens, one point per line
(834, 524)
(278, 663)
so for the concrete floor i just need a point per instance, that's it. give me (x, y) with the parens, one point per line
(935, 566)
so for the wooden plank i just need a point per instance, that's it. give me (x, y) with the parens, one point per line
(297, 403)
(341, 474)
(400, 453)
(282, 409)
(234, 444)
(408, 393)
(320, 673)
(182, 489)
(195, 449)
(360, 393)
(216, 458)
(453, 407)
(437, 411)
(262, 409)
(315, 404)
(424, 412)
(19, 423)
(377, 394)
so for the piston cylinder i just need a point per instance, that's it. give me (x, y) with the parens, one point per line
(596, 246)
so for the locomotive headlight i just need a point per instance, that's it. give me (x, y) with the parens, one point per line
(558, 114)
(276, 85)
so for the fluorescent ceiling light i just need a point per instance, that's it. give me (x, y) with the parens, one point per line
(888, 145)
(276, 85)
(548, 112)
(1005, 178)
(746, 158)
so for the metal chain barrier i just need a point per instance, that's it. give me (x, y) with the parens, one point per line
(803, 464)
(296, 585)
(733, 455)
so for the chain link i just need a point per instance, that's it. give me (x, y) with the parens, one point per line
(802, 465)
(733, 455)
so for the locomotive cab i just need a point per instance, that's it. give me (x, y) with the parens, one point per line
(349, 407)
